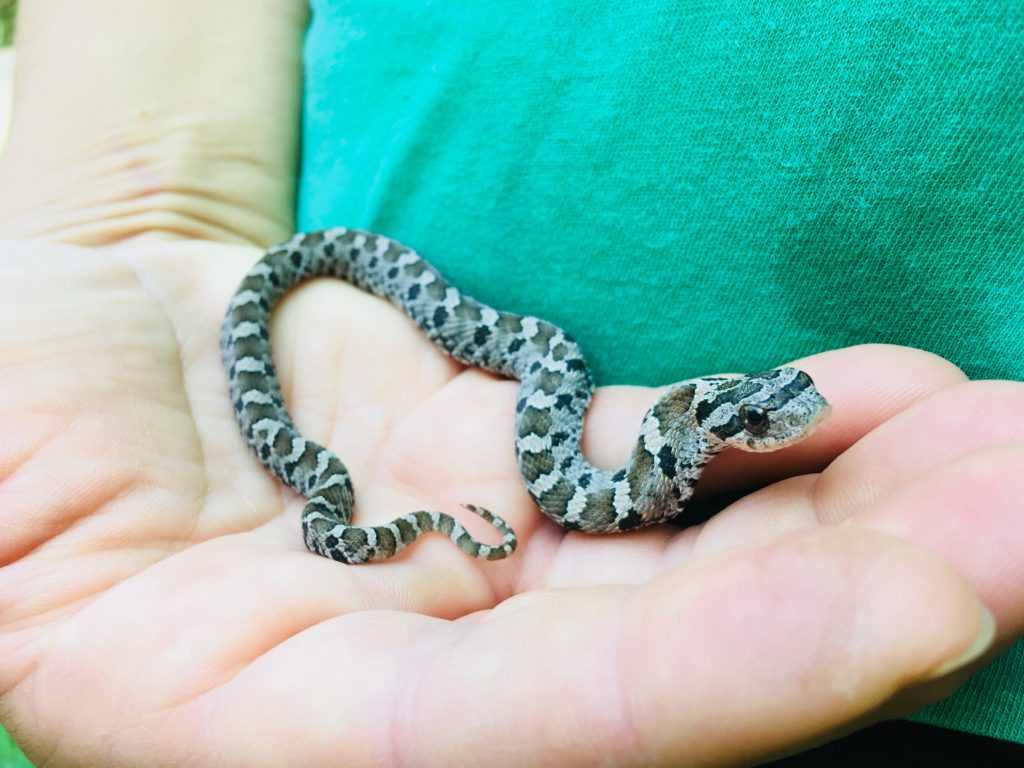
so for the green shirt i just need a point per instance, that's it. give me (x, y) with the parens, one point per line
(692, 187)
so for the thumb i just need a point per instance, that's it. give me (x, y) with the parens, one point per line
(726, 660)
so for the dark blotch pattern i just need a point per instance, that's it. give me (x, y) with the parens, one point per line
(654, 485)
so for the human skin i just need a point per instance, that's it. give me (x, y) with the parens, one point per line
(157, 606)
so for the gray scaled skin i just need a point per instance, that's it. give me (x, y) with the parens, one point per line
(691, 423)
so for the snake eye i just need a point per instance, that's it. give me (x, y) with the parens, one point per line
(754, 419)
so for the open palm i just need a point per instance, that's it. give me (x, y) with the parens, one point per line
(157, 606)
(155, 571)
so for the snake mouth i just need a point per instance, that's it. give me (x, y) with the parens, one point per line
(823, 413)
(821, 410)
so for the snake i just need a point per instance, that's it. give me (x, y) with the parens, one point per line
(690, 423)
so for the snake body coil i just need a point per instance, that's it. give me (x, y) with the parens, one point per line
(691, 423)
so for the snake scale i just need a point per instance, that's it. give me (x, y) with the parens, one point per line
(682, 431)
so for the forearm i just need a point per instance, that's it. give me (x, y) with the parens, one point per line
(163, 110)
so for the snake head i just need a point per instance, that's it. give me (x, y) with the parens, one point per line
(761, 411)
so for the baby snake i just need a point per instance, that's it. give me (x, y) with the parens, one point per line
(693, 420)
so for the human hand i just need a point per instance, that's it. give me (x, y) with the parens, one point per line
(158, 608)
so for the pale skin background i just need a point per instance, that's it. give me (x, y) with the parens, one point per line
(157, 606)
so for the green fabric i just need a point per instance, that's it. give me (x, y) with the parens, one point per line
(692, 187)
(10, 755)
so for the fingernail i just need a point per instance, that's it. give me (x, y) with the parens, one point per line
(982, 642)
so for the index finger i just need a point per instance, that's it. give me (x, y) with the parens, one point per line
(867, 385)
